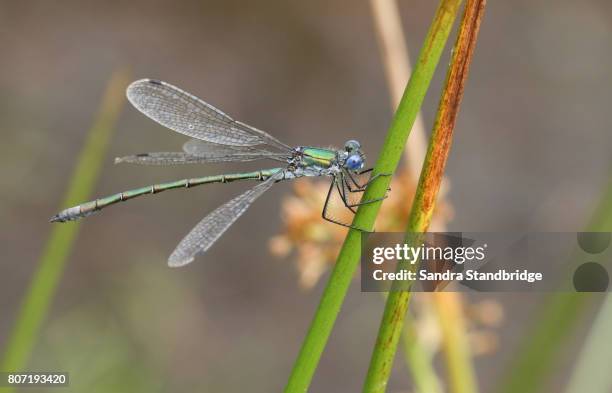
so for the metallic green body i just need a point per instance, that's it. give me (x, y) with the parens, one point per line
(316, 156)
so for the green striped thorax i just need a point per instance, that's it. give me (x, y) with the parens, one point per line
(328, 161)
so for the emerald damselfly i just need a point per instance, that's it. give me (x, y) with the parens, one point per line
(219, 138)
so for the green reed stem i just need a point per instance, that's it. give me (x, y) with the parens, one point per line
(388, 160)
(592, 370)
(537, 356)
(419, 360)
(35, 306)
(457, 354)
(425, 200)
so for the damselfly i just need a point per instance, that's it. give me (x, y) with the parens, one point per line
(219, 138)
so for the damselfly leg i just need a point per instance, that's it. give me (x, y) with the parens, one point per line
(348, 197)
(359, 186)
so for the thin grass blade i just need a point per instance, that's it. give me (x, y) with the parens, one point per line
(41, 291)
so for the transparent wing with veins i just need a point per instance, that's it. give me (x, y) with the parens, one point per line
(210, 229)
(197, 152)
(235, 153)
(186, 114)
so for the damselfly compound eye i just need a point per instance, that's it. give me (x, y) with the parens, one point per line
(354, 162)
(352, 145)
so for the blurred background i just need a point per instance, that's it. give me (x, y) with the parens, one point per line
(531, 153)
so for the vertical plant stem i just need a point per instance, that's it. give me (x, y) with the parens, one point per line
(427, 191)
(592, 371)
(396, 62)
(461, 376)
(43, 286)
(419, 360)
(537, 354)
(388, 160)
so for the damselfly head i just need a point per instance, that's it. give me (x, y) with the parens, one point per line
(354, 157)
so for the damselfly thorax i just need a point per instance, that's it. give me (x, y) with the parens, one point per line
(315, 161)
(219, 138)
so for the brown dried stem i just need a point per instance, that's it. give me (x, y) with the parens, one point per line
(426, 195)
